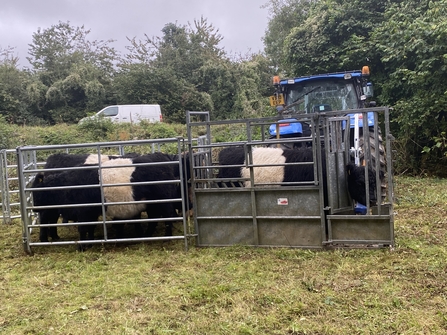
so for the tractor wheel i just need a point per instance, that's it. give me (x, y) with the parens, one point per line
(375, 153)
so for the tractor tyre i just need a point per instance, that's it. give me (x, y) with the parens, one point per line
(376, 153)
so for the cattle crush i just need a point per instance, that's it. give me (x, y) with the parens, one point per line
(305, 214)
(241, 209)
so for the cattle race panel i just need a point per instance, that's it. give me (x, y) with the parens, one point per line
(66, 204)
(233, 206)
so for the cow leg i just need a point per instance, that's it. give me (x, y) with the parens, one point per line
(169, 211)
(119, 227)
(87, 231)
(43, 236)
(47, 217)
(82, 237)
(53, 231)
(168, 229)
(119, 230)
(53, 234)
(139, 232)
(151, 227)
(91, 231)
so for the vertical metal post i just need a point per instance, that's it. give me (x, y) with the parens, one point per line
(23, 210)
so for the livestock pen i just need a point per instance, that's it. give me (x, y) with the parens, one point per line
(319, 210)
(28, 169)
(311, 213)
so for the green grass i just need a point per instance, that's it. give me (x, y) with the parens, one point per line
(158, 288)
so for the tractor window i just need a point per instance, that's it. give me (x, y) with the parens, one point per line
(337, 94)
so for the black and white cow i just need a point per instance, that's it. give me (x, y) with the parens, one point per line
(266, 174)
(284, 173)
(63, 160)
(145, 168)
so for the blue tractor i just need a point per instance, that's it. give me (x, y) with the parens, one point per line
(341, 91)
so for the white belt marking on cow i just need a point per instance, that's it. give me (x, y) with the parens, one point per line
(93, 159)
(120, 193)
(266, 174)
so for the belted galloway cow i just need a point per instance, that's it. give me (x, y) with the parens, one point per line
(232, 166)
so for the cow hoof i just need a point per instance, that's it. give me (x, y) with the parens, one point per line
(84, 247)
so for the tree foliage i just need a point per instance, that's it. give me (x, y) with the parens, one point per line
(332, 37)
(185, 69)
(14, 100)
(284, 16)
(413, 43)
(74, 72)
(404, 43)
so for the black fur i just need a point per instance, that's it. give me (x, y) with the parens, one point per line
(230, 156)
(356, 184)
(293, 173)
(68, 196)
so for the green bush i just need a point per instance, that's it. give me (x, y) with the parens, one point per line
(159, 130)
(96, 129)
(6, 135)
(92, 131)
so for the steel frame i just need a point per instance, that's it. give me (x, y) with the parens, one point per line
(27, 172)
(226, 216)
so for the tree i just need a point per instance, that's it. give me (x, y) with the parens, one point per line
(284, 16)
(413, 44)
(333, 37)
(76, 72)
(141, 83)
(254, 85)
(183, 70)
(14, 100)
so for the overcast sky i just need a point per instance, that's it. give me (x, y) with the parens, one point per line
(242, 23)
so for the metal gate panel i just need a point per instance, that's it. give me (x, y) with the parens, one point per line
(223, 218)
(281, 217)
(337, 153)
(360, 229)
(212, 203)
(289, 217)
(302, 201)
(302, 233)
(9, 183)
(225, 232)
(376, 228)
(27, 173)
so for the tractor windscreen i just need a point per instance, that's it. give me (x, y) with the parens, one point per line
(322, 95)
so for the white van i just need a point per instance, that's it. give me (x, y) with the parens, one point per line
(129, 113)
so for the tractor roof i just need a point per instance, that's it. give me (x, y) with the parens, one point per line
(320, 76)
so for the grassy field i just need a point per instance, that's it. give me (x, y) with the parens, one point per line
(158, 288)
